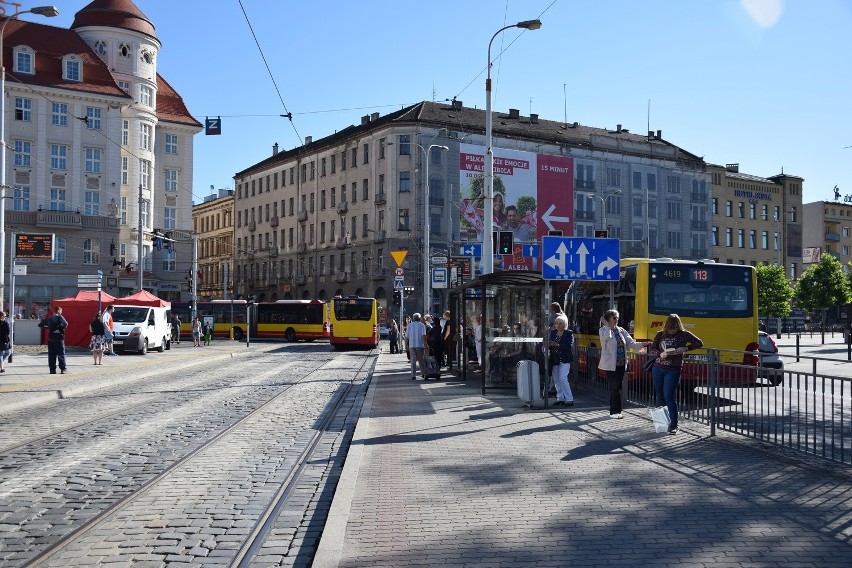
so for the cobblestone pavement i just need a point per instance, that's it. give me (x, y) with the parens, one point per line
(439, 475)
(202, 511)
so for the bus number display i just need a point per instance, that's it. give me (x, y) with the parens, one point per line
(702, 275)
(671, 273)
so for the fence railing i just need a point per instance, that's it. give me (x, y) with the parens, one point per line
(796, 409)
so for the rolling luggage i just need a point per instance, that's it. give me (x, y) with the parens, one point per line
(529, 382)
(431, 368)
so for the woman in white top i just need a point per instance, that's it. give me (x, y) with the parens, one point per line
(614, 344)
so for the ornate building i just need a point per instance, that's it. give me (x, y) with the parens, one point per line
(213, 226)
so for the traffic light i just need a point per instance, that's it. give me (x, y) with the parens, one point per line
(506, 242)
(407, 291)
(601, 234)
(397, 297)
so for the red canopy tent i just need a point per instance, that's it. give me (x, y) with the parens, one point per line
(143, 298)
(79, 310)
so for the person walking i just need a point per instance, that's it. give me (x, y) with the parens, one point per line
(176, 329)
(669, 345)
(207, 331)
(393, 337)
(561, 355)
(96, 344)
(55, 326)
(109, 330)
(416, 343)
(615, 341)
(5, 341)
(196, 332)
(405, 323)
(447, 337)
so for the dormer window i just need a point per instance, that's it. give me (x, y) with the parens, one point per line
(124, 50)
(24, 60)
(72, 68)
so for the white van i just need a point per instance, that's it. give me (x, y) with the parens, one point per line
(140, 328)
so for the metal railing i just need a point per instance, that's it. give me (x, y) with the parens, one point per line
(801, 410)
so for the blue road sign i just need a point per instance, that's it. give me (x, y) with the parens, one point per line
(574, 258)
(398, 283)
(531, 250)
(472, 249)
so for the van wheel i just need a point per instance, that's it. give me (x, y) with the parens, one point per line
(290, 335)
(169, 344)
(144, 350)
(162, 346)
(238, 334)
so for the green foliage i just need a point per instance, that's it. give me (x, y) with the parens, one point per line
(525, 203)
(774, 291)
(477, 187)
(823, 286)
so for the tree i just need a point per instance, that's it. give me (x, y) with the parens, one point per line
(477, 187)
(823, 286)
(525, 203)
(774, 291)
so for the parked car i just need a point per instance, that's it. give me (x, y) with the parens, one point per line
(383, 331)
(771, 365)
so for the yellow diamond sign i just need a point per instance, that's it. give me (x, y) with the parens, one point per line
(399, 256)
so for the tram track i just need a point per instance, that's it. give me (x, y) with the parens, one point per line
(266, 520)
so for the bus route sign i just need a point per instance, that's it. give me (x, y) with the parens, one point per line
(34, 245)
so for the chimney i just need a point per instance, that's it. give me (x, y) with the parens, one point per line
(275, 149)
(457, 105)
(514, 113)
(308, 140)
(374, 116)
(650, 134)
(365, 119)
(618, 128)
(660, 134)
(576, 124)
(533, 118)
(733, 168)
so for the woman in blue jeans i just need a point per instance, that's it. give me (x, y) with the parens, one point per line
(669, 345)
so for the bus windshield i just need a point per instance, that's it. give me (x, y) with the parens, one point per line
(353, 309)
(709, 291)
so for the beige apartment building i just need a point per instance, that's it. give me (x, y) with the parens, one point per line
(213, 227)
(827, 228)
(756, 220)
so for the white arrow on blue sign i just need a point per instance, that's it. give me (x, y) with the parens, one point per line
(574, 258)
(472, 249)
(531, 250)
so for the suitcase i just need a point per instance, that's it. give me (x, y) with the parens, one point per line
(529, 382)
(431, 368)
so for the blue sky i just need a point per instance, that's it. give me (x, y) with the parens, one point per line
(765, 83)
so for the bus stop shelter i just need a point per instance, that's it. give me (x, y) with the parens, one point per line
(512, 308)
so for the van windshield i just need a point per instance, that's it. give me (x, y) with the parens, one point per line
(129, 315)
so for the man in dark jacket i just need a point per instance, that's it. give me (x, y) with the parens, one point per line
(55, 326)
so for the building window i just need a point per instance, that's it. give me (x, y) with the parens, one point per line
(366, 150)
(93, 118)
(613, 177)
(91, 251)
(652, 182)
(58, 157)
(101, 47)
(72, 70)
(124, 50)
(169, 217)
(144, 173)
(752, 211)
(57, 199)
(59, 114)
(123, 208)
(124, 173)
(404, 144)
(382, 143)
(170, 180)
(729, 237)
(404, 220)
(673, 239)
(125, 132)
(741, 238)
(673, 210)
(343, 160)
(354, 157)
(365, 223)
(366, 190)
(715, 205)
(637, 180)
(23, 109)
(715, 236)
(22, 198)
(169, 260)
(24, 62)
(147, 57)
(124, 86)
(58, 251)
(354, 192)
(741, 210)
(672, 184)
(144, 136)
(93, 160)
(172, 148)
(145, 95)
(23, 150)
(752, 239)
(333, 158)
(729, 208)
(764, 240)
(404, 182)
(92, 205)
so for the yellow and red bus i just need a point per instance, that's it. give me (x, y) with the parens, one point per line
(717, 302)
(354, 322)
(227, 315)
(290, 320)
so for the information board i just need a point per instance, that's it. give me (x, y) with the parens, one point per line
(34, 245)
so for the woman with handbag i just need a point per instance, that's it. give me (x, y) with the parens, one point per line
(5, 340)
(615, 341)
(561, 344)
(669, 345)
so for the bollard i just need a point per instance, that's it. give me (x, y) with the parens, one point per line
(798, 337)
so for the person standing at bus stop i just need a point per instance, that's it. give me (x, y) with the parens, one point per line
(669, 345)
(109, 330)
(55, 326)
(416, 334)
(615, 341)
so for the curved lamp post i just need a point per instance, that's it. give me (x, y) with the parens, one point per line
(49, 12)
(427, 274)
(488, 214)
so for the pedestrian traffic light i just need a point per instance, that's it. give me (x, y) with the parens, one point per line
(601, 234)
(506, 242)
(397, 297)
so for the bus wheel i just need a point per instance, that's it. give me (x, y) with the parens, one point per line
(238, 334)
(290, 335)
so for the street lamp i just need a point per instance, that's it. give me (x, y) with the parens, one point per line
(603, 204)
(49, 12)
(427, 275)
(488, 221)
(779, 230)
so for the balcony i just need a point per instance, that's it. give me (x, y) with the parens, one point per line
(342, 277)
(380, 274)
(251, 226)
(273, 221)
(301, 248)
(300, 279)
(341, 242)
(57, 219)
(698, 224)
(832, 236)
(303, 215)
(584, 215)
(584, 184)
(380, 199)
(342, 208)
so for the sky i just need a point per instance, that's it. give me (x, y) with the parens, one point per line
(762, 83)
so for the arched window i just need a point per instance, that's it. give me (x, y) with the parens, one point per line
(58, 251)
(91, 251)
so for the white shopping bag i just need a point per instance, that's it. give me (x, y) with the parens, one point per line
(660, 417)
